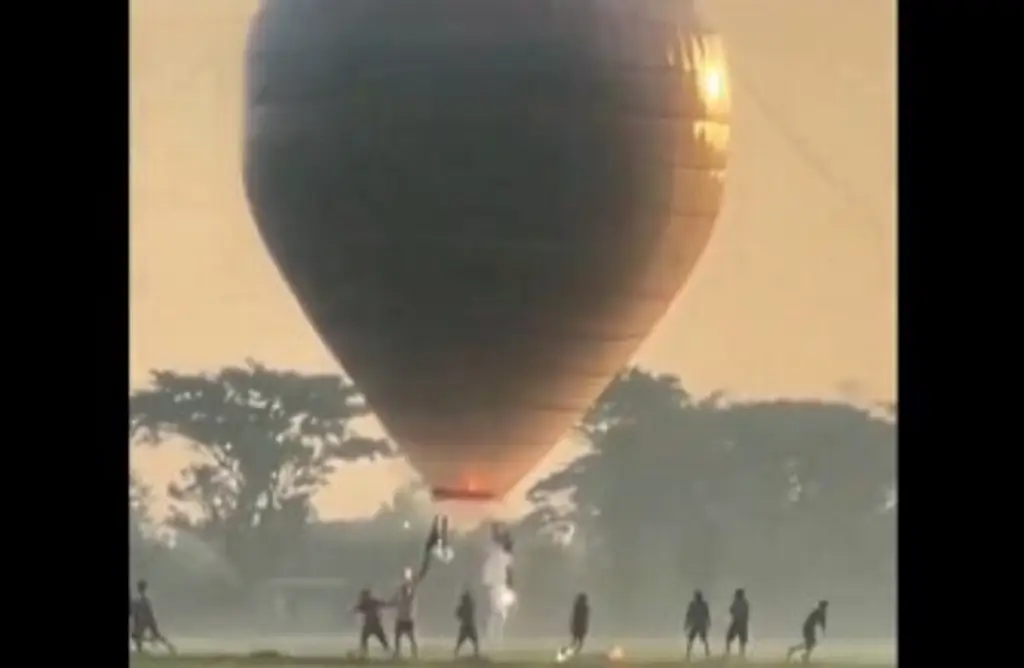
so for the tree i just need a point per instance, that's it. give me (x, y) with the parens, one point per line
(410, 509)
(631, 490)
(806, 488)
(266, 440)
(711, 493)
(634, 395)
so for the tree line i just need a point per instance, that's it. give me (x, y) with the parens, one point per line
(792, 499)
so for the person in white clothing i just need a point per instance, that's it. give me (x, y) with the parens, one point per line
(498, 580)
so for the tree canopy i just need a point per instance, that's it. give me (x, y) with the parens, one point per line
(791, 499)
(266, 440)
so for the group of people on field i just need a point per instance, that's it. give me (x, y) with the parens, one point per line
(403, 602)
(697, 624)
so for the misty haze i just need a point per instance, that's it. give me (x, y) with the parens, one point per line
(282, 464)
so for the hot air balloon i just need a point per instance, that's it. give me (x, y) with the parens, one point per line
(483, 206)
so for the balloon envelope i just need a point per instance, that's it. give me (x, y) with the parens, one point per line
(483, 206)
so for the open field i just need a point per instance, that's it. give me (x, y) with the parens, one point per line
(227, 661)
(313, 651)
(537, 649)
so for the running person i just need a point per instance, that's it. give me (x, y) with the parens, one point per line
(814, 620)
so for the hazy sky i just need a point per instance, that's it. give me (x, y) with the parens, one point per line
(795, 296)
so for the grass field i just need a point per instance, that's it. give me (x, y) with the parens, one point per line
(316, 650)
(226, 661)
(436, 657)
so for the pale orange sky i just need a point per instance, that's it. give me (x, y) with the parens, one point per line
(795, 296)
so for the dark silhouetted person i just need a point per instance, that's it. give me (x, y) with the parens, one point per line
(369, 608)
(810, 630)
(698, 622)
(579, 626)
(143, 621)
(739, 627)
(466, 614)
